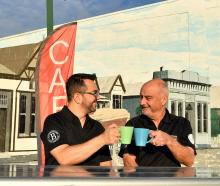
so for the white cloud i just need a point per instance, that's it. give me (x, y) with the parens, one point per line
(132, 61)
(113, 45)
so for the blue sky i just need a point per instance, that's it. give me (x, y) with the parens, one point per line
(19, 16)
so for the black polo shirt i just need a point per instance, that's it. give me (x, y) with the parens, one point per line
(151, 155)
(64, 128)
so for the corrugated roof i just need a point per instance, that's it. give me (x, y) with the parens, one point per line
(14, 60)
(107, 83)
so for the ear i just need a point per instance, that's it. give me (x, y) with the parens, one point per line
(77, 98)
(164, 100)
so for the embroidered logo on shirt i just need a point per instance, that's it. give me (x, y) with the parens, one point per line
(191, 139)
(53, 136)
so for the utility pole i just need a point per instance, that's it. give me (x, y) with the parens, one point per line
(49, 16)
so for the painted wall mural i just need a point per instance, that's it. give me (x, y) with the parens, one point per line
(177, 34)
(179, 37)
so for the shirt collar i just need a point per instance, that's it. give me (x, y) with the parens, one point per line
(166, 119)
(69, 116)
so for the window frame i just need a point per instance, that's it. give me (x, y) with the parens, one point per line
(29, 114)
(116, 101)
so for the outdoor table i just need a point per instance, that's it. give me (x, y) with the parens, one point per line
(32, 175)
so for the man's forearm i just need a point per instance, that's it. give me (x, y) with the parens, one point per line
(106, 163)
(74, 154)
(184, 154)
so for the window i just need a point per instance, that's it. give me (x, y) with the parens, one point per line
(205, 121)
(180, 110)
(172, 107)
(22, 114)
(187, 115)
(116, 101)
(188, 109)
(33, 127)
(27, 125)
(199, 117)
(3, 100)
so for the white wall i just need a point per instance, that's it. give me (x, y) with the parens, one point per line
(17, 143)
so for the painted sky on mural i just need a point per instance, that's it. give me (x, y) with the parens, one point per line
(19, 16)
(178, 35)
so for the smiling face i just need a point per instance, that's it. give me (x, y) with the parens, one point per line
(153, 98)
(90, 96)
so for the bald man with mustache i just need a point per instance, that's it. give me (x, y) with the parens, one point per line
(172, 141)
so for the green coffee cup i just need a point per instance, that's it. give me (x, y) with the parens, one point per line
(126, 133)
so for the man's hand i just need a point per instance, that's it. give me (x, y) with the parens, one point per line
(129, 160)
(184, 154)
(74, 154)
(111, 134)
(160, 138)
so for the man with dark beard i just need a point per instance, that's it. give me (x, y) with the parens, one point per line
(71, 136)
(172, 142)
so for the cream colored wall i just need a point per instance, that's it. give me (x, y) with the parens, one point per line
(17, 144)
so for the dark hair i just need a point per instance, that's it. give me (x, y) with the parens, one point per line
(75, 83)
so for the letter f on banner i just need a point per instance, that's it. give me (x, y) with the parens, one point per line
(55, 65)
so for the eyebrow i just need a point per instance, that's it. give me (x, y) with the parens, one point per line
(146, 96)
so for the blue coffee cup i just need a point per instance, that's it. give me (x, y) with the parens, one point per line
(141, 136)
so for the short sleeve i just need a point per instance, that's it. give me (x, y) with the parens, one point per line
(53, 135)
(186, 137)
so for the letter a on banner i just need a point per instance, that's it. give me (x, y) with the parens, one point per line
(55, 65)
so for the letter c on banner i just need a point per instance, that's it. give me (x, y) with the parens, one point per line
(51, 52)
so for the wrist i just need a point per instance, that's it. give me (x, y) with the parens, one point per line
(172, 139)
(102, 139)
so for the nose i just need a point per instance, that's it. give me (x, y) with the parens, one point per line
(97, 96)
(142, 101)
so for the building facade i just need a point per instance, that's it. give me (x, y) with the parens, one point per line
(190, 98)
(17, 98)
(112, 90)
